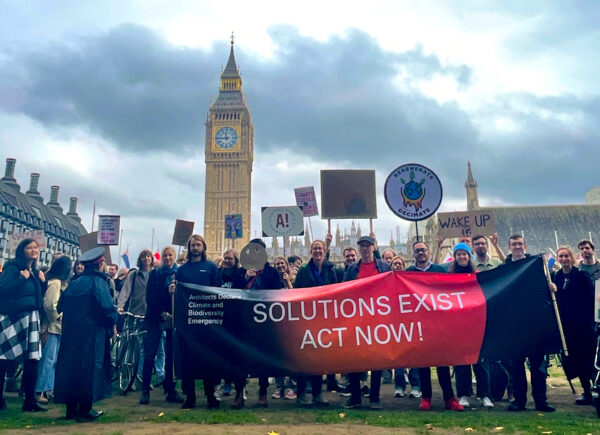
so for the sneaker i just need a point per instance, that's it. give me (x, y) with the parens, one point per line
(464, 401)
(290, 394)
(218, 393)
(245, 395)
(42, 399)
(345, 394)
(453, 405)
(145, 399)
(365, 391)
(544, 407)
(487, 403)
(415, 393)
(425, 404)
(276, 394)
(319, 402)
(399, 393)
(350, 404)
(376, 404)
(516, 407)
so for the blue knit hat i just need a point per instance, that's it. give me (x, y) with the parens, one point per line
(461, 246)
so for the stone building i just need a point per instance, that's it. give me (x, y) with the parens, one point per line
(543, 226)
(229, 155)
(25, 211)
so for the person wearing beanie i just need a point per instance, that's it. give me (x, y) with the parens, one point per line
(463, 263)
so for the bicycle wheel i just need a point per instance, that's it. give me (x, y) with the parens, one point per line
(135, 359)
(125, 367)
(114, 359)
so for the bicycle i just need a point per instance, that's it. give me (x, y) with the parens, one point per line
(125, 352)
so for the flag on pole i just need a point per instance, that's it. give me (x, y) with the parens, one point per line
(125, 258)
(448, 258)
(157, 256)
(551, 261)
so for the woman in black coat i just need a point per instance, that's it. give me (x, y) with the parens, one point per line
(21, 296)
(158, 316)
(575, 298)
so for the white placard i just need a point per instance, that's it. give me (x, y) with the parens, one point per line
(305, 198)
(282, 221)
(108, 229)
(16, 238)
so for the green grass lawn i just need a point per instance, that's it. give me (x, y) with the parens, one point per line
(397, 413)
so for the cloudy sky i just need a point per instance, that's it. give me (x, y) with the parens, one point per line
(108, 99)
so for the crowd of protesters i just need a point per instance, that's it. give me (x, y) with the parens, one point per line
(59, 324)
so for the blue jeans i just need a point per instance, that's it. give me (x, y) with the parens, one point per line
(413, 378)
(47, 367)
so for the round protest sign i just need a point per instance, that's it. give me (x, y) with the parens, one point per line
(253, 256)
(413, 192)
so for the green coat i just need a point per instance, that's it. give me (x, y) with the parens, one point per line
(305, 278)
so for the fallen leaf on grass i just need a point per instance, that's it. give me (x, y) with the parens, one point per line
(469, 429)
(541, 415)
(27, 427)
(263, 419)
(547, 432)
(341, 415)
(272, 433)
(429, 426)
(161, 414)
(498, 428)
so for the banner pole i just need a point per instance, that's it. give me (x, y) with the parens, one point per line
(370, 226)
(311, 231)
(555, 304)
(417, 230)
(329, 226)
(120, 242)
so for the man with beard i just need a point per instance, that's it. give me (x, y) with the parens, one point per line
(197, 270)
(588, 263)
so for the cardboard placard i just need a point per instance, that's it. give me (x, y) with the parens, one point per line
(465, 224)
(305, 198)
(16, 238)
(282, 221)
(89, 241)
(233, 226)
(348, 194)
(108, 229)
(183, 231)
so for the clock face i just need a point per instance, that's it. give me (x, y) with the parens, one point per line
(226, 137)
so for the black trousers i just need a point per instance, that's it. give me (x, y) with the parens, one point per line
(355, 393)
(30, 370)
(75, 407)
(463, 380)
(151, 342)
(315, 384)
(443, 378)
(537, 369)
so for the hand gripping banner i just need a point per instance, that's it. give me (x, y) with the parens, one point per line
(395, 319)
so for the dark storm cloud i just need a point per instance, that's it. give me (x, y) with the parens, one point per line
(345, 99)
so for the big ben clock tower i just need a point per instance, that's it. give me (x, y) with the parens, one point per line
(229, 154)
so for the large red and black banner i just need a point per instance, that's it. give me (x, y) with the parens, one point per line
(394, 319)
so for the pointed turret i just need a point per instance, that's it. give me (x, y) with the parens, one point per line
(307, 241)
(275, 245)
(471, 186)
(231, 80)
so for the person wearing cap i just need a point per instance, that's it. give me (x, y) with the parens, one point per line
(367, 266)
(88, 321)
(463, 263)
(424, 264)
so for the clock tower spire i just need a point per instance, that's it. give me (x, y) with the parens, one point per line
(229, 156)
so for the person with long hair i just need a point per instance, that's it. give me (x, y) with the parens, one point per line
(158, 319)
(77, 270)
(463, 263)
(21, 296)
(196, 270)
(285, 274)
(58, 279)
(575, 298)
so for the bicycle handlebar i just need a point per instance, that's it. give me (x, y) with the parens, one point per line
(128, 314)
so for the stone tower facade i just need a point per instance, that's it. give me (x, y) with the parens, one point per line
(471, 186)
(229, 155)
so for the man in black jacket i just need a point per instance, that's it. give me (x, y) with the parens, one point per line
(368, 265)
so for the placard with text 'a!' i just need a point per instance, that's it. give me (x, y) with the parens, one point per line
(282, 221)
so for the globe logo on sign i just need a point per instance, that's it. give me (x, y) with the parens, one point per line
(413, 192)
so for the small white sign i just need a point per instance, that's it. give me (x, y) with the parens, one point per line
(282, 221)
(108, 229)
(16, 238)
(413, 192)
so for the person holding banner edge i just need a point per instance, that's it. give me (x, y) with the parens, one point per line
(537, 362)
(316, 272)
(424, 264)
(196, 270)
(367, 266)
